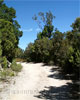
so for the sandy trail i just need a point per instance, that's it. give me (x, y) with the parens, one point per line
(30, 81)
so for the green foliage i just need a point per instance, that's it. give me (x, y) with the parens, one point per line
(0, 49)
(47, 27)
(8, 40)
(39, 35)
(4, 62)
(19, 67)
(16, 67)
(39, 51)
(43, 48)
(58, 48)
(19, 53)
(9, 31)
(29, 53)
(77, 60)
(76, 25)
(47, 31)
(5, 74)
(0, 45)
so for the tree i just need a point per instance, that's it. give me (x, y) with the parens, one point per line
(8, 39)
(9, 14)
(39, 51)
(19, 53)
(59, 47)
(73, 37)
(46, 20)
(42, 49)
(0, 48)
(62, 49)
(76, 25)
(29, 53)
(9, 29)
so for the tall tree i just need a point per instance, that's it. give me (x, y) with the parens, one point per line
(8, 39)
(0, 47)
(74, 49)
(46, 20)
(9, 29)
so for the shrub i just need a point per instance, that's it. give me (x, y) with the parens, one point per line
(6, 73)
(16, 67)
(19, 67)
(4, 62)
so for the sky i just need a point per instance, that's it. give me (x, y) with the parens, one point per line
(65, 11)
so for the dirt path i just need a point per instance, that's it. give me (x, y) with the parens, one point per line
(31, 80)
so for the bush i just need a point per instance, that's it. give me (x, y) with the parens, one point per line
(19, 67)
(6, 73)
(4, 62)
(16, 67)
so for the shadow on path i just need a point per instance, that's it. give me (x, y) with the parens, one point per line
(70, 91)
(65, 92)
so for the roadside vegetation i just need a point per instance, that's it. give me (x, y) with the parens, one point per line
(54, 47)
(9, 39)
(16, 67)
(51, 47)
